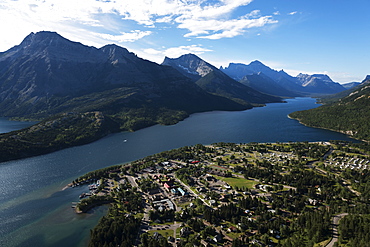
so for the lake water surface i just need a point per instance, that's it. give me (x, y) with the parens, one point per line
(34, 210)
(7, 126)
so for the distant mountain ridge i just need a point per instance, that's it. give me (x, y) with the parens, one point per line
(214, 81)
(255, 74)
(350, 84)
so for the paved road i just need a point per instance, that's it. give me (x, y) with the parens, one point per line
(132, 181)
(335, 223)
(190, 191)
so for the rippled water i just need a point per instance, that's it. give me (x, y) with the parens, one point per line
(35, 211)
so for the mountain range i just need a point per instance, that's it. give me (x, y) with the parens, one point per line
(48, 77)
(261, 77)
(214, 81)
(47, 74)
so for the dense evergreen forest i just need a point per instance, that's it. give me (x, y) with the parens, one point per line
(349, 115)
(52, 134)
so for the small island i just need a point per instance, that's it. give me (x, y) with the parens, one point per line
(226, 194)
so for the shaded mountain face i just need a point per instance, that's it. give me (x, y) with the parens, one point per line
(267, 85)
(350, 85)
(46, 63)
(214, 81)
(302, 85)
(265, 79)
(47, 73)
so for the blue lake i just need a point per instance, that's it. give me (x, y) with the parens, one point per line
(34, 210)
(7, 126)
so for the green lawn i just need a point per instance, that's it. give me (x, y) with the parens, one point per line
(178, 232)
(323, 243)
(238, 182)
(164, 233)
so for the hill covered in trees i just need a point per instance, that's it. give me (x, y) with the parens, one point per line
(55, 133)
(349, 114)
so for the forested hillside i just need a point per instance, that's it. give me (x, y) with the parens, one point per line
(52, 134)
(349, 115)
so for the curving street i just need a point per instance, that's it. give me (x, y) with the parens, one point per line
(335, 223)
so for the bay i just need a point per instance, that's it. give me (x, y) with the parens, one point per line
(34, 210)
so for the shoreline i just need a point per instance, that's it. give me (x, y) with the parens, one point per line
(24, 154)
(348, 135)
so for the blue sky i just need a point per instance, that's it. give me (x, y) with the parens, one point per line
(299, 36)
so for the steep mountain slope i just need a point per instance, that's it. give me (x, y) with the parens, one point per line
(47, 74)
(190, 65)
(266, 85)
(220, 84)
(349, 115)
(214, 81)
(302, 85)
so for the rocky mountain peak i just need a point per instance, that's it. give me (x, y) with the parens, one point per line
(45, 37)
(256, 62)
(52, 46)
(257, 66)
(367, 79)
(308, 79)
(190, 65)
(46, 40)
(117, 54)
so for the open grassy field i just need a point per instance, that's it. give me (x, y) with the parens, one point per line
(238, 182)
(164, 233)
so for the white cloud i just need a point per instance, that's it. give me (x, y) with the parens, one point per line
(223, 29)
(293, 13)
(125, 37)
(152, 51)
(178, 51)
(120, 21)
(181, 50)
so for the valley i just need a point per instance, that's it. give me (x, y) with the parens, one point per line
(46, 77)
(98, 107)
